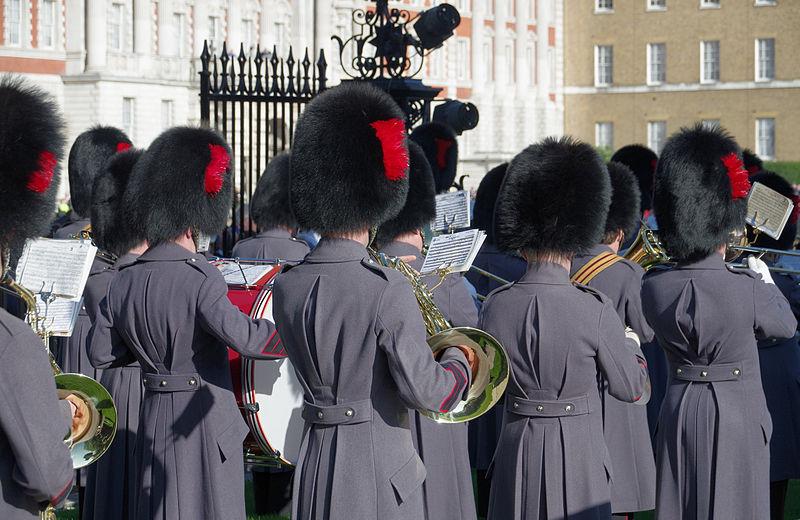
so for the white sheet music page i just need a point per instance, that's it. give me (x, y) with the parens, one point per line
(240, 273)
(60, 267)
(452, 211)
(60, 314)
(767, 210)
(455, 251)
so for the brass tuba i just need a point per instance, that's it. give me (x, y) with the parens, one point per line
(103, 426)
(492, 375)
(647, 249)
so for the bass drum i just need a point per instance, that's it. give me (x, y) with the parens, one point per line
(267, 391)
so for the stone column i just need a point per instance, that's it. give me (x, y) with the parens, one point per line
(142, 27)
(96, 34)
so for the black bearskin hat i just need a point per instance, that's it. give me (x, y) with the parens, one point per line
(485, 199)
(420, 206)
(31, 149)
(624, 212)
(782, 186)
(182, 181)
(110, 230)
(349, 160)
(270, 206)
(642, 162)
(701, 192)
(87, 158)
(554, 199)
(441, 148)
(752, 162)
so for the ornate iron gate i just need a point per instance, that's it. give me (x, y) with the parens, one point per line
(254, 100)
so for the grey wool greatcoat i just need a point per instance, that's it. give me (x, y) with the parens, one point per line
(447, 490)
(780, 375)
(272, 244)
(713, 434)
(111, 481)
(355, 336)
(35, 466)
(551, 461)
(624, 424)
(170, 312)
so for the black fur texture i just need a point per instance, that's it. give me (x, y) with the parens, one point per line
(693, 204)
(782, 186)
(426, 135)
(338, 181)
(270, 206)
(87, 158)
(485, 199)
(554, 199)
(420, 206)
(642, 162)
(752, 162)
(625, 212)
(30, 123)
(166, 193)
(110, 230)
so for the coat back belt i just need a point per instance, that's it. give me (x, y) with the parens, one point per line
(539, 408)
(171, 382)
(708, 373)
(347, 413)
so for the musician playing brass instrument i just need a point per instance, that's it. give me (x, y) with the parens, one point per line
(551, 461)
(35, 464)
(352, 329)
(447, 489)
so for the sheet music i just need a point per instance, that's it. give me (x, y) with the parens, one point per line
(456, 251)
(452, 211)
(768, 210)
(241, 273)
(57, 266)
(203, 242)
(60, 314)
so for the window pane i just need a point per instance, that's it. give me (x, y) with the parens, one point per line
(509, 62)
(711, 123)
(710, 59)
(656, 135)
(128, 112)
(657, 4)
(462, 58)
(166, 113)
(115, 27)
(604, 5)
(658, 63)
(604, 135)
(47, 28)
(14, 22)
(766, 58)
(604, 66)
(765, 129)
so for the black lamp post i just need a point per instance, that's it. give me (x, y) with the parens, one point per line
(398, 53)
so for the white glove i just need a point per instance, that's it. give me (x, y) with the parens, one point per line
(630, 334)
(758, 266)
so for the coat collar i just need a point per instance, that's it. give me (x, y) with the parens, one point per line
(715, 262)
(595, 250)
(126, 259)
(167, 252)
(337, 250)
(545, 273)
(275, 233)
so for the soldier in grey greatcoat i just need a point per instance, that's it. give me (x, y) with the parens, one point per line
(712, 446)
(447, 490)
(625, 427)
(170, 312)
(552, 461)
(352, 328)
(271, 211)
(780, 364)
(484, 431)
(35, 464)
(110, 482)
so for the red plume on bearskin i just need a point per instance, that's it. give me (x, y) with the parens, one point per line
(392, 135)
(42, 177)
(123, 146)
(740, 180)
(216, 169)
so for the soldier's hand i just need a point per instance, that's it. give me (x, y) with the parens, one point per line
(472, 358)
(81, 417)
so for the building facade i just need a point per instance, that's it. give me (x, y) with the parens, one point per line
(134, 63)
(638, 70)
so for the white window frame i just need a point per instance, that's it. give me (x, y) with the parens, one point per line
(710, 4)
(711, 123)
(462, 59)
(129, 112)
(760, 150)
(167, 113)
(531, 61)
(44, 31)
(598, 75)
(651, 80)
(654, 145)
(603, 7)
(760, 75)
(510, 61)
(765, 3)
(603, 129)
(703, 78)
(120, 17)
(651, 6)
(8, 24)
(488, 57)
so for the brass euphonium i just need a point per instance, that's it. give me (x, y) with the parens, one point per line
(492, 375)
(647, 250)
(103, 414)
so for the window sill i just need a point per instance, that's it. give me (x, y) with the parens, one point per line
(709, 81)
(710, 6)
(603, 11)
(765, 4)
(764, 80)
(656, 9)
(655, 83)
(603, 85)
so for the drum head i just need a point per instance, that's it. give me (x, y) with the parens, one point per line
(273, 397)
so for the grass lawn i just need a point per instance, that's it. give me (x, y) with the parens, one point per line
(792, 506)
